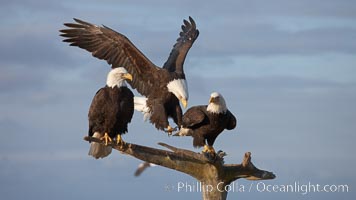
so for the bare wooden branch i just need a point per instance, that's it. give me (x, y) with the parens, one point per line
(212, 173)
(187, 153)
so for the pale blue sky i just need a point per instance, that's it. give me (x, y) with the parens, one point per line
(287, 70)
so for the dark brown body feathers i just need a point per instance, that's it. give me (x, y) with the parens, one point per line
(110, 111)
(206, 125)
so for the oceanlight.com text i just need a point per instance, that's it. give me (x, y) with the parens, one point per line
(301, 188)
(295, 187)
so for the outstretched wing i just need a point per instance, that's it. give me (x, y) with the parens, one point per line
(193, 116)
(107, 44)
(186, 39)
(142, 167)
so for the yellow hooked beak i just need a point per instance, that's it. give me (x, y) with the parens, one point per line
(184, 102)
(212, 100)
(127, 76)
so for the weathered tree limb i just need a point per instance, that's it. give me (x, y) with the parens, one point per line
(213, 174)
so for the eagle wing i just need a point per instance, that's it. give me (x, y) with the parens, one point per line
(142, 167)
(107, 44)
(193, 116)
(97, 110)
(232, 121)
(180, 49)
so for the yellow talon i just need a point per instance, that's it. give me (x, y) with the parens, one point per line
(208, 149)
(107, 139)
(119, 140)
(212, 150)
(169, 130)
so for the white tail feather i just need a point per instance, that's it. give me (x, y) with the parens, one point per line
(141, 105)
(98, 150)
(184, 132)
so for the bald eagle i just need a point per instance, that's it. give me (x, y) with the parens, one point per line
(206, 122)
(110, 112)
(163, 88)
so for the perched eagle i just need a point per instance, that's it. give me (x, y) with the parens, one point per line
(206, 122)
(163, 88)
(110, 112)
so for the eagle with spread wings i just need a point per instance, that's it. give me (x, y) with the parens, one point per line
(162, 87)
